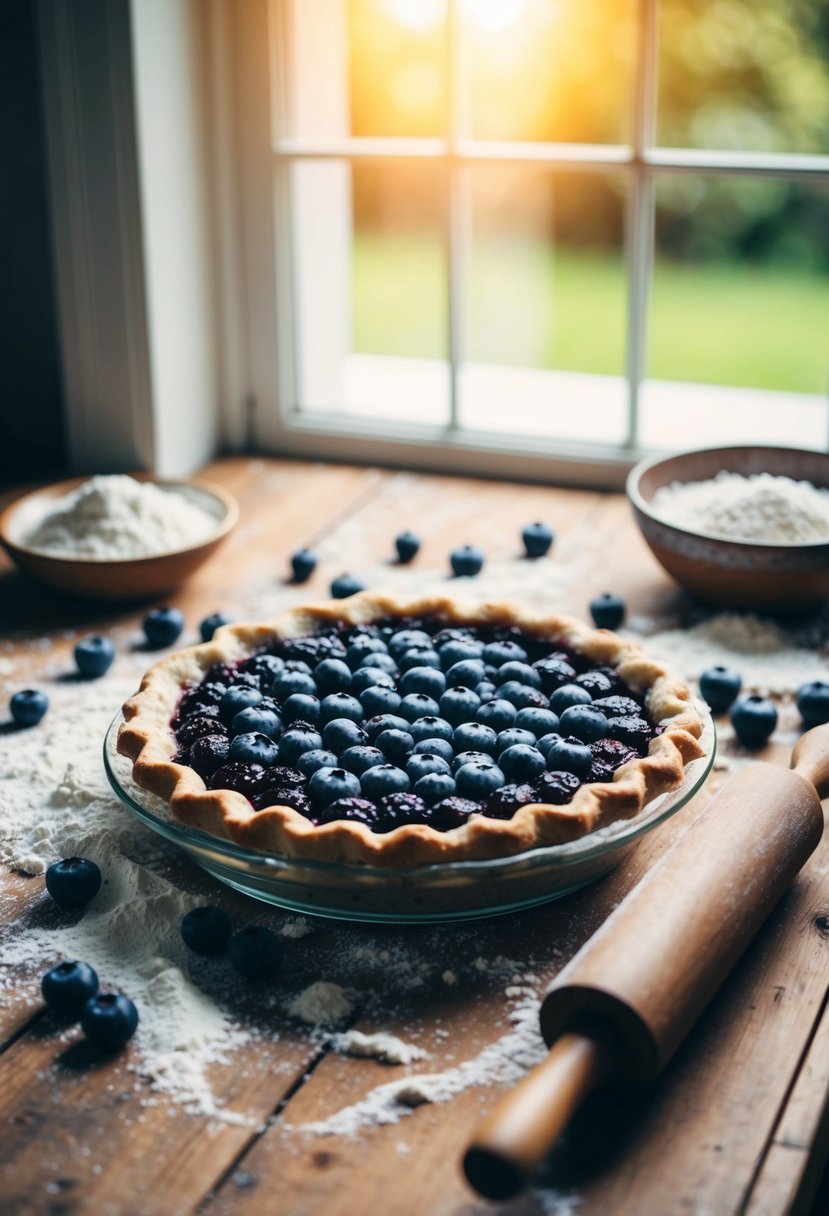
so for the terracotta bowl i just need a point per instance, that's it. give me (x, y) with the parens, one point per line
(108, 579)
(734, 573)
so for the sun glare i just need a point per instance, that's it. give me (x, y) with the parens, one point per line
(420, 15)
(495, 14)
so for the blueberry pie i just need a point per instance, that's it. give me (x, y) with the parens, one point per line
(399, 734)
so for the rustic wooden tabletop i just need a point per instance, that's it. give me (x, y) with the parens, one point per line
(737, 1124)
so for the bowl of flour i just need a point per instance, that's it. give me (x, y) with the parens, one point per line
(746, 527)
(117, 537)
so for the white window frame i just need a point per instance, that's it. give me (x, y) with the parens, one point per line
(271, 249)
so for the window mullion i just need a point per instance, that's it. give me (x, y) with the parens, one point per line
(457, 210)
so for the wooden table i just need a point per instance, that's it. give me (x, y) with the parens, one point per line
(737, 1124)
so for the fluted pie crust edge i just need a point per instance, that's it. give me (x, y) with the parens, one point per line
(147, 738)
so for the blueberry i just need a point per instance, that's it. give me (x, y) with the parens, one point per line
(520, 672)
(406, 639)
(508, 799)
(475, 736)
(567, 695)
(354, 809)
(754, 719)
(379, 662)
(460, 704)
(318, 757)
(380, 722)
(266, 666)
(363, 646)
(93, 656)
(395, 810)
(407, 546)
(379, 700)
(296, 741)
(608, 755)
(460, 650)
(498, 713)
(384, 779)
(435, 747)
(208, 753)
(255, 717)
(345, 586)
(303, 565)
(813, 703)
(370, 677)
(303, 707)
(469, 672)
(289, 796)
(607, 611)
(486, 690)
(540, 721)
(553, 672)
(332, 675)
(109, 1020)
(546, 742)
(283, 775)
(434, 787)
(73, 882)
(360, 758)
(452, 812)
(522, 696)
(395, 744)
(512, 737)
(67, 987)
(205, 930)
(28, 706)
(617, 706)
(472, 757)
(557, 787)
(478, 780)
(720, 686)
(420, 656)
(584, 722)
(597, 683)
(237, 697)
(244, 779)
(537, 539)
(417, 705)
(430, 727)
(341, 705)
(420, 764)
(328, 784)
(521, 762)
(569, 755)
(426, 680)
(163, 627)
(211, 623)
(254, 748)
(255, 952)
(467, 561)
(293, 680)
(498, 653)
(633, 731)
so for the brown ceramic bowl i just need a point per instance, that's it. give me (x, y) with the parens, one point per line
(121, 579)
(734, 573)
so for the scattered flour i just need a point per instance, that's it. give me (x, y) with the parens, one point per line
(382, 1046)
(321, 1004)
(761, 507)
(118, 517)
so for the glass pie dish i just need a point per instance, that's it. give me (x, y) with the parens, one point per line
(459, 890)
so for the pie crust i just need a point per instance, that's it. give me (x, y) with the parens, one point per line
(147, 738)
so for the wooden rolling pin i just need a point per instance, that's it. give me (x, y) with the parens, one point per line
(623, 1004)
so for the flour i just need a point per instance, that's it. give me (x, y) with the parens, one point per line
(382, 1046)
(118, 517)
(761, 508)
(320, 1004)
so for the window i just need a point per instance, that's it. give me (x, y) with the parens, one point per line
(566, 230)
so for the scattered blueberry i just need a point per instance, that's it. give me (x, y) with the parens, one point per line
(813, 703)
(255, 952)
(303, 565)
(607, 611)
(467, 561)
(537, 539)
(28, 706)
(720, 687)
(67, 987)
(345, 586)
(109, 1020)
(211, 623)
(163, 627)
(328, 784)
(205, 930)
(93, 656)
(73, 882)
(407, 546)
(754, 719)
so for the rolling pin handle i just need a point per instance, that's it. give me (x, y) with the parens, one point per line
(810, 758)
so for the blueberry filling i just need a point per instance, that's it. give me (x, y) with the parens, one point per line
(409, 722)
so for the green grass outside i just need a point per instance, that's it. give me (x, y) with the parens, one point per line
(533, 306)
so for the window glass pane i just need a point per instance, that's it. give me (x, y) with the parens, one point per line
(370, 290)
(740, 299)
(550, 69)
(545, 304)
(751, 75)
